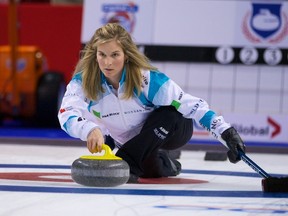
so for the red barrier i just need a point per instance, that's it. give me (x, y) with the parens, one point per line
(55, 29)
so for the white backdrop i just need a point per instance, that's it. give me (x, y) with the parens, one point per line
(193, 22)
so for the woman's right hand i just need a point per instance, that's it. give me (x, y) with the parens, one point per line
(95, 141)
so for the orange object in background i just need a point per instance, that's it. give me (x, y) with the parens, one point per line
(38, 90)
(29, 67)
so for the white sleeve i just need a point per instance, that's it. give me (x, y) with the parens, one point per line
(73, 114)
(200, 111)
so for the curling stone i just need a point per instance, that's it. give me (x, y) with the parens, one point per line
(105, 170)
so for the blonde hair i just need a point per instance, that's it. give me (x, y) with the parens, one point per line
(88, 66)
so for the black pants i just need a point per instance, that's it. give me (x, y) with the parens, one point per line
(165, 128)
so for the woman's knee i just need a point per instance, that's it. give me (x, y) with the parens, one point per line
(168, 113)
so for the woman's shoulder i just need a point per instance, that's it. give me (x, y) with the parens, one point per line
(77, 76)
(149, 72)
(154, 74)
(76, 79)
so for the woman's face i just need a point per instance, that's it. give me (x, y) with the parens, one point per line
(111, 59)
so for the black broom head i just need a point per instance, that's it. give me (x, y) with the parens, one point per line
(275, 185)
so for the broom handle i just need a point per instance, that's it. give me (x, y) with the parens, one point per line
(253, 165)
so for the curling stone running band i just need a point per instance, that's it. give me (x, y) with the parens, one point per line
(105, 170)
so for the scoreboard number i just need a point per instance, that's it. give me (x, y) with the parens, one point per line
(224, 55)
(248, 55)
(272, 56)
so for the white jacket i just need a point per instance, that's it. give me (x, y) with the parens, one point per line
(122, 118)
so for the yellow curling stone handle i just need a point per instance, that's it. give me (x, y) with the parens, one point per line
(108, 155)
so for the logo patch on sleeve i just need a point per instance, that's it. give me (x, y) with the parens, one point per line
(176, 104)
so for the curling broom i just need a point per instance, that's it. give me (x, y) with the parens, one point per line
(269, 183)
